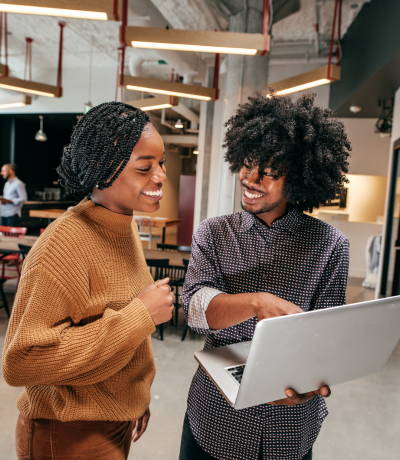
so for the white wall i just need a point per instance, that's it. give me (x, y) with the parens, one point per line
(370, 152)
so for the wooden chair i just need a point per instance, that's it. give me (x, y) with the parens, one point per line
(13, 232)
(24, 250)
(173, 247)
(144, 226)
(157, 269)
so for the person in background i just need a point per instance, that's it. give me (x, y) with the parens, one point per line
(14, 196)
(79, 333)
(269, 260)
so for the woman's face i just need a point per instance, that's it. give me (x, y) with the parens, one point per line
(138, 187)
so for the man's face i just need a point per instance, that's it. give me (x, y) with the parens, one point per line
(5, 171)
(264, 195)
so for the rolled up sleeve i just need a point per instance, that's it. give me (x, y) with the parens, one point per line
(203, 280)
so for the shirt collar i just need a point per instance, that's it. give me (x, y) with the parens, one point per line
(290, 221)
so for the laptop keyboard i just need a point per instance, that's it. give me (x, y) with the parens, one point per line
(236, 372)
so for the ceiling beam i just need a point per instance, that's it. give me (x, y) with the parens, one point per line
(189, 140)
(186, 112)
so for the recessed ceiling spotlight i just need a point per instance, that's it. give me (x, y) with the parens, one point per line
(355, 108)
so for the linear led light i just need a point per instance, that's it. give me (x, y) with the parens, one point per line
(10, 103)
(155, 103)
(204, 41)
(171, 93)
(195, 48)
(30, 87)
(22, 9)
(152, 85)
(101, 10)
(312, 79)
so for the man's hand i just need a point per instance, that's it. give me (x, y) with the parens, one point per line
(270, 306)
(4, 201)
(293, 398)
(140, 425)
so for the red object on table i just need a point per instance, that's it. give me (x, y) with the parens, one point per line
(14, 232)
(187, 190)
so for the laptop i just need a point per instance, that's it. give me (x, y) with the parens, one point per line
(305, 351)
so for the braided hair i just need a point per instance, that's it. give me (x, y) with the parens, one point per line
(100, 147)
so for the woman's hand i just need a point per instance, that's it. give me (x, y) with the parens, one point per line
(158, 299)
(140, 425)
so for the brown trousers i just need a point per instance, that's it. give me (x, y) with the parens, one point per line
(42, 439)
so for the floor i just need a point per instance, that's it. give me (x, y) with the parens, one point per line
(363, 424)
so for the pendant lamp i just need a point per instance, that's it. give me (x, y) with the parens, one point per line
(41, 136)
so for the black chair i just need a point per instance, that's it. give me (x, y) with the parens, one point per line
(3, 297)
(158, 269)
(173, 247)
(24, 250)
(176, 275)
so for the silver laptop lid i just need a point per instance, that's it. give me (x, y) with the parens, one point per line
(316, 348)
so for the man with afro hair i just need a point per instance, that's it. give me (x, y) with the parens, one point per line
(269, 260)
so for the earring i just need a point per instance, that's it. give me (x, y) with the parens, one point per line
(97, 186)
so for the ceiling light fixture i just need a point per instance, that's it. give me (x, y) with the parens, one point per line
(317, 77)
(179, 124)
(355, 108)
(307, 80)
(155, 103)
(170, 88)
(13, 102)
(41, 135)
(31, 87)
(196, 151)
(201, 41)
(101, 10)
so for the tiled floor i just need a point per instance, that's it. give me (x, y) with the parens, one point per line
(363, 424)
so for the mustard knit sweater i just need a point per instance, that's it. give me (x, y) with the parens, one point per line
(79, 338)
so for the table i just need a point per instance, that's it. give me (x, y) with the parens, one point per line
(163, 222)
(175, 258)
(160, 222)
(9, 244)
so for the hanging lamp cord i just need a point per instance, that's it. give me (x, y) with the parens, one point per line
(337, 13)
(123, 38)
(60, 57)
(28, 59)
(4, 31)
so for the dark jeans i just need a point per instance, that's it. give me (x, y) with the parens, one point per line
(41, 439)
(190, 450)
(12, 221)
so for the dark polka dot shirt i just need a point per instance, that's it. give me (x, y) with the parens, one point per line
(298, 258)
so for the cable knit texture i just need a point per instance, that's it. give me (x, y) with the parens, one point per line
(79, 338)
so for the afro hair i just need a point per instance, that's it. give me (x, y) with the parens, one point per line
(294, 138)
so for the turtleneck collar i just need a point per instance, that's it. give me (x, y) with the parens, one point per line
(120, 224)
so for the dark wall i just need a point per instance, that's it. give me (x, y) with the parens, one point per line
(371, 43)
(36, 161)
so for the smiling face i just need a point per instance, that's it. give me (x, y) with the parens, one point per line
(138, 187)
(263, 197)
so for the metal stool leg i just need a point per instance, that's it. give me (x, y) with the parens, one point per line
(3, 298)
(185, 329)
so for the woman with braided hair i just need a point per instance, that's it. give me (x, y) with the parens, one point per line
(79, 334)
